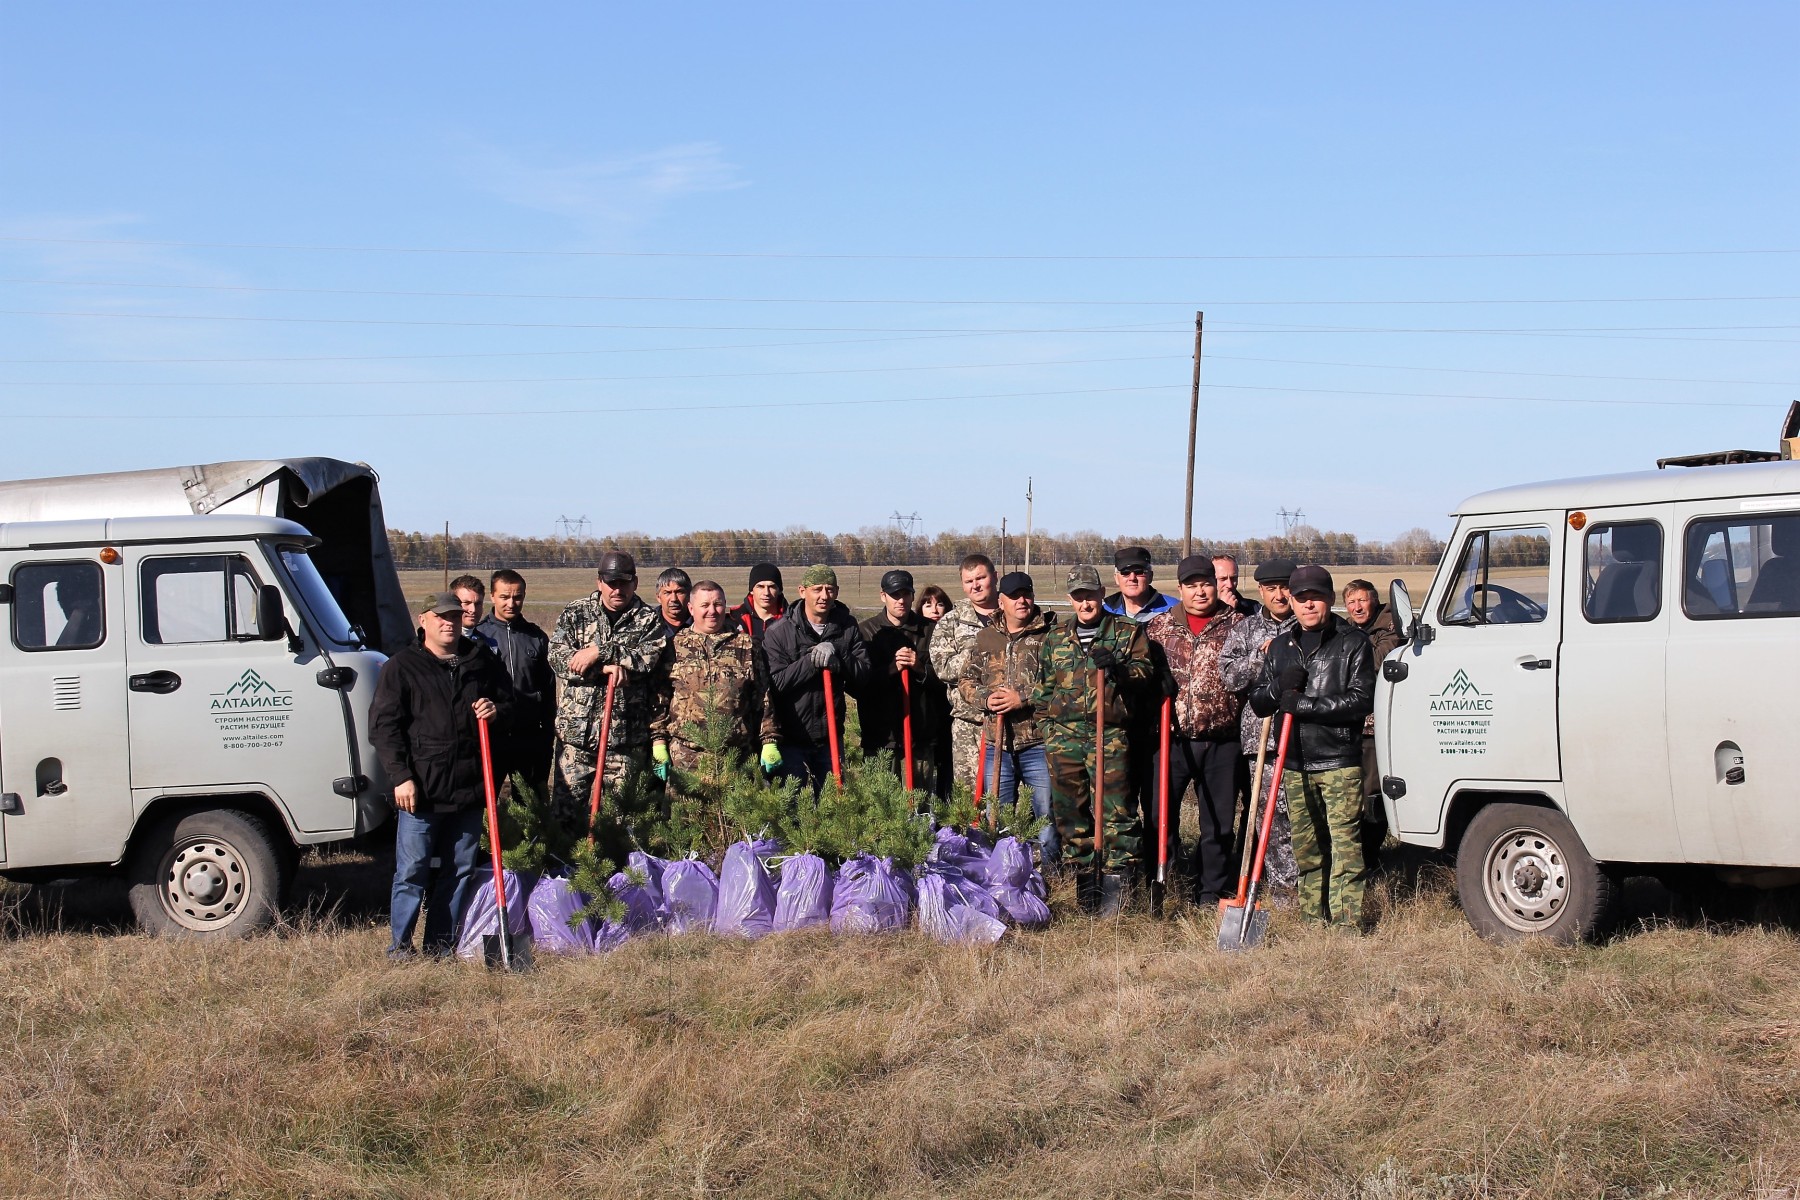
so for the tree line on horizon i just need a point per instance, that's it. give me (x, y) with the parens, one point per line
(883, 545)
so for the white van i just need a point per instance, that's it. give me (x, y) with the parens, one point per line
(181, 700)
(1602, 682)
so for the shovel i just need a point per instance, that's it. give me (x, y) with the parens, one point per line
(612, 683)
(906, 723)
(1242, 922)
(831, 732)
(1162, 812)
(499, 949)
(1262, 757)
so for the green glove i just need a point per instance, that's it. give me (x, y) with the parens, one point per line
(659, 755)
(771, 759)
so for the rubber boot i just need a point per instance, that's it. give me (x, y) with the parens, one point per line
(1112, 895)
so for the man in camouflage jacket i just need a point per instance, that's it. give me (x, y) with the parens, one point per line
(713, 670)
(1068, 697)
(610, 633)
(1240, 668)
(998, 679)
(952, 641)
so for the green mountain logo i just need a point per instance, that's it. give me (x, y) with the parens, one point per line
(1461, 685)
(248, 684)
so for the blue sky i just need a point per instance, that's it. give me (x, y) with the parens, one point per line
(697, 266)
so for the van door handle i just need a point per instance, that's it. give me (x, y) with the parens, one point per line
(1535, 664)
(160, 682)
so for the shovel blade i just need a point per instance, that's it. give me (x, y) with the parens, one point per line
(505, 951)
(1241, 926)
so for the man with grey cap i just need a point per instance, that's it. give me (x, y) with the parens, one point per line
(818, 635)
(899, 642)
(1240, 666)
(609, 635)
(1203, 734)
(423, 727)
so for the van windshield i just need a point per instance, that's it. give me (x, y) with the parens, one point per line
(325, 617)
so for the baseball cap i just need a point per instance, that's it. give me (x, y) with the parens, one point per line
(819, 575)
(1014, 582)
(1131, 557)
(1276, 570)
(444, 604)
(1309, 579)
(896, 582)
(1084, 579)
(616, 566)
(1196, 566)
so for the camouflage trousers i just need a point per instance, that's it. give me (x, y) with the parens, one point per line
(572, 779)
(1279, 870)
(1072, 769)
(965, 736)
(1326, 808)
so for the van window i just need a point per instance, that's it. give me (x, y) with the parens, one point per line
(58, 606)
(1745, 566)
(1502, 578)
(1624, 572)
(198, 598)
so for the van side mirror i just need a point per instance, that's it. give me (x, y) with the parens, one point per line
(1405, 619)
(271, 617)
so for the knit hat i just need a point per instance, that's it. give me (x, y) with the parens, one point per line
(819, 575)
(765, 573)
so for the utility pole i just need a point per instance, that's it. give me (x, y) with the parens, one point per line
(1028, 524)
(1187, 524)
(446, 556)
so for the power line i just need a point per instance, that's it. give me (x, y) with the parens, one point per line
(906, 257)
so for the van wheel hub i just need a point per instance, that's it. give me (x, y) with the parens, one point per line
(205, 884)
(1527, 879)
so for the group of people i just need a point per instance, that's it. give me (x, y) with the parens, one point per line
(1000, 692)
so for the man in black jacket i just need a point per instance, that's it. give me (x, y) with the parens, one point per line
(1323, 673)
(524, 649)
(899, 640)
(423, 725)
(818, 636)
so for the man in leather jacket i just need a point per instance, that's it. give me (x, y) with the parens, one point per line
(1322, 673)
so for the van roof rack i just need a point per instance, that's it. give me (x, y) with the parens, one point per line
(1789, 444)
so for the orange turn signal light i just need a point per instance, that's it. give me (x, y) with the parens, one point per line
(108, 555)
(1577, 521)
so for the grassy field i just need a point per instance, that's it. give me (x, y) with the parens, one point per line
(1128, 1058)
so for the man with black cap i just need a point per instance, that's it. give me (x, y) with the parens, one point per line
(1070, 701)
(1240, 666)
(818, 636)
(422, 724)
(899, 642)
(999, 678)
(611, 634)
(952, 642)
(763, 603)
(1322, 671)
(1203, 734)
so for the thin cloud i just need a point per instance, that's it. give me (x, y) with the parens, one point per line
(607, 193)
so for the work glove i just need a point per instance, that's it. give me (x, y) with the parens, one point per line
(1290, 702)
(771, 759)
(822, 656)
(1103, 658)
(659, 757)
(1293, 679)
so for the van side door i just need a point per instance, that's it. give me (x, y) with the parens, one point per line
(62, 712)
(1734, 682)
(1619, 600)
(1478, 705)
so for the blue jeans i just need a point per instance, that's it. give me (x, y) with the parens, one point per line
(1033, 767)
(808, 764)
(435, 850)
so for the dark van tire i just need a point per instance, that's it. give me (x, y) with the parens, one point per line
(1522, 872)
(212, 874)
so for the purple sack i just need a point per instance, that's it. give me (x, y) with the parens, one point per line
(482, 917)
(804, 896)
(643, 902)
(552, 906)
(969, 853)
(871, 895)
(746, 893)
(1018, 887)
(690, 895)
(954, 908)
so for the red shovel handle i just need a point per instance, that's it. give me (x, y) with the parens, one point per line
(906, 724)
(612, 684)
(1268, 820)
(493, 813)
(1100, 771)
(1162, 793)
(980, 766)
(831, 730)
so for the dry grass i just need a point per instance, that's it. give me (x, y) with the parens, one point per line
(1096, 1059)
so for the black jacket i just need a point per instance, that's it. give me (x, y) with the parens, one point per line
(422, 723)
(878, 702)
(798, 686)
(1339, 693)
(524, 650)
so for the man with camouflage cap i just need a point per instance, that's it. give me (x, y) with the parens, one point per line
(609, 634)
(1069, 700)
(1000, 677)
(818, 635)
(714, 669)
(1322, 673)
(899, 643)
(952, 641)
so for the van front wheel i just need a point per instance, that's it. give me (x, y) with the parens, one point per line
(1521, 872)
(207, 874)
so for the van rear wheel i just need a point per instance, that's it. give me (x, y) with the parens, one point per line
(1522, 872)
(210, 874)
